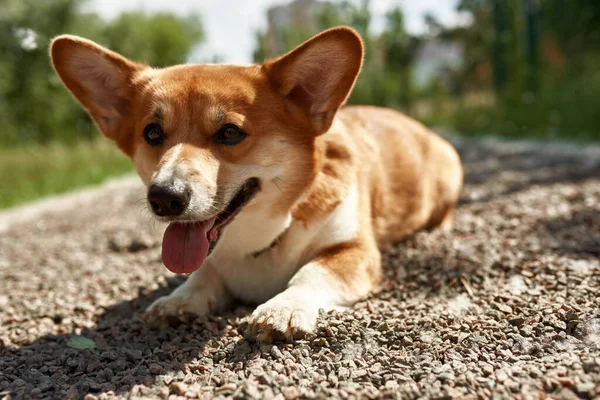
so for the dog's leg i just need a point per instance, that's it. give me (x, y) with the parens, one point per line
(201, 294)
(337, 277)
(448, 220)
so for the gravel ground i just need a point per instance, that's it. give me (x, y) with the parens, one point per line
(505, 306)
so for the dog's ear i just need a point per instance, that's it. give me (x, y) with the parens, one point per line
(99, 78)
(319, 74)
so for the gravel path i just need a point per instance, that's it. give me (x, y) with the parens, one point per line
(506, 305)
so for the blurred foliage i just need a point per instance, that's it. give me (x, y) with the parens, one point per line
(546, 59)
(528, 67)
(34, 106)
(520, 68)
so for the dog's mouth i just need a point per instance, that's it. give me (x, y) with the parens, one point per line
(242, 197)
(187, 244)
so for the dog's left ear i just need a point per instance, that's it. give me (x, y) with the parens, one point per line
(319, 74)
(101, 80)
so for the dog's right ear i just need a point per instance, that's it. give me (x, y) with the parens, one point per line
(99, 78)
(319, 74)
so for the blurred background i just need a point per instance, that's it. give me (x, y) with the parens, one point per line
(509, 68)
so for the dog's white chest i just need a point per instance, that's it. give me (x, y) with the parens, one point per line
(257, 278)
(249, 276)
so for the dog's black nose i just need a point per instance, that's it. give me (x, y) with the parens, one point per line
(168, 201)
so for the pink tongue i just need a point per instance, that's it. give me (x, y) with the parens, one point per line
(185, 246)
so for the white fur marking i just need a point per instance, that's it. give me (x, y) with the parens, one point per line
(342, 224)
(174, 154)
(297, 308)
(257, 279)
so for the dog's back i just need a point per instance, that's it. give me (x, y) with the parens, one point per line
(413, 176)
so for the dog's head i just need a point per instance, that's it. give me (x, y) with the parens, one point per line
(211, 140)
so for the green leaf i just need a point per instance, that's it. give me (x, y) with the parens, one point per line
(81, 343)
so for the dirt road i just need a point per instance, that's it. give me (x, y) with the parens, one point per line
(505, 305)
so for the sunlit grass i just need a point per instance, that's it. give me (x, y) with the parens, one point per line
(31, 173)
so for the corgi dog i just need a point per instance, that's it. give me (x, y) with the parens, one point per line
(274, 193)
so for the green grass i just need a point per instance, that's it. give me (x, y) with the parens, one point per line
(30, 173)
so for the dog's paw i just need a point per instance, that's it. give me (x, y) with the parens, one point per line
(282, 319)
(178, 307)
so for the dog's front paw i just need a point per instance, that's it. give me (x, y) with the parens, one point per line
(178, 307)
(281, 318)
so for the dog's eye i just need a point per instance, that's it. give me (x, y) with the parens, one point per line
(229, 135)
(154, 135)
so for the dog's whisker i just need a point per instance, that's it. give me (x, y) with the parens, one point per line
(276, 185)
(280, 179)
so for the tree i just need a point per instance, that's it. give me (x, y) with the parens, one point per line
(157, 39)
(399, 47)
(477, 39)
(34, 107)
(576, 25)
